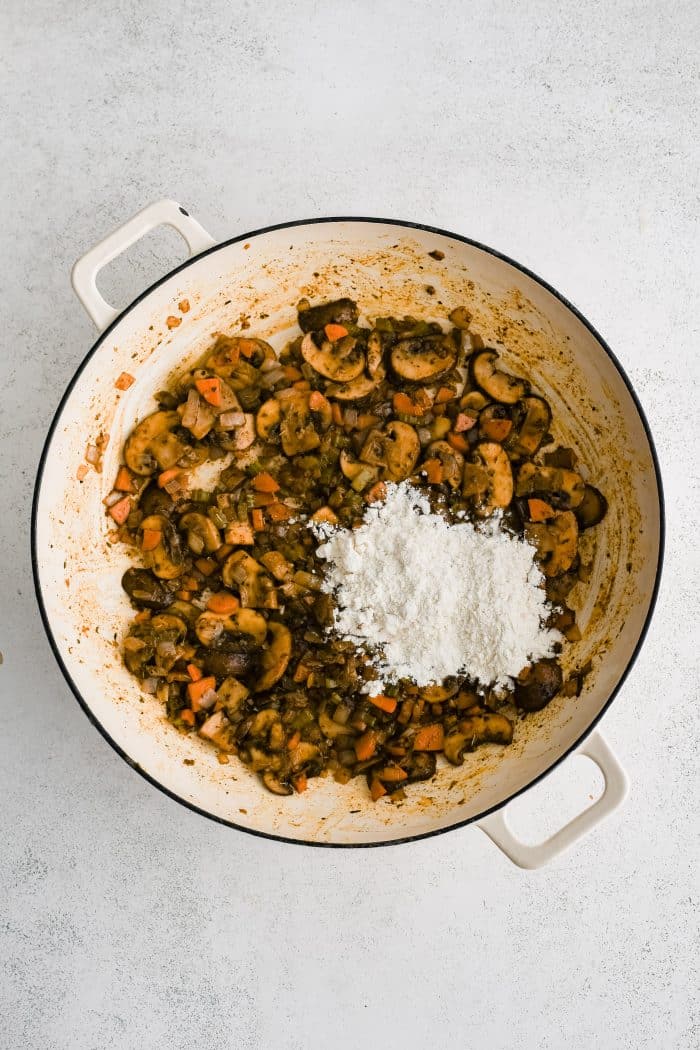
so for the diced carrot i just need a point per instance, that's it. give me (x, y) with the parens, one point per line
(497, 429)
(294, 740)
(384, 703)
(291, 373)
(326, 514)
(173, 322)
(318, 402)
(224, 551)
(366, 419)
(263, 499)
(247, 346)
(210, 389)
(444, 394)
(206, 566)
(187, 717)
(396, 750)
(429, 738)
(120, 511)
(184, 306)
(279, 512)
(150, 539)
(458, 442)
(300, 782)
(196, 690)
(124, 381)
(257, 519)
(167, 476)
(144, 615)
(392, 774)
(264, 482)
(539, 510)
(464, 422)
(335, 331)
(183, 594)
(301, 673)
(377, 789)
(366, 745)
(223, 603)
(433, 468)
(337, 413)
(125, 480)
(190, 582)
(403, 403)
(377, 493)
(194, 672)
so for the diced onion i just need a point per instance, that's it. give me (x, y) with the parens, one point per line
(208, 699)
(231, 420)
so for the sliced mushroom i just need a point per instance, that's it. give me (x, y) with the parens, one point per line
(233, 695)
(541, 683)
(210, 627)
(225, 358)
(245, 435)
(497, 384)
(229, 659)
(275, 657)
(341, 361)
(395, 448)
(592, 508)
(556, 542)
(375, 353)
(219, 731)
(314, 318)
(304, 756)
(297, 432)
(252, 623)
(421, 359)
(202, 533)
(477, 729)
(155, 501)
(420, 765)
(437, 694)
(145, 590)
(472, 403)
(488, 478)
(356, 389)
(168, 626)
(166, 559)
(461, 318)
(268, 417)
(533, 418)
(255, 587)
(564, 488)
(273, 783)
(152, 444)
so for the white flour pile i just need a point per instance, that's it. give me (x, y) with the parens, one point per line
(429, 599)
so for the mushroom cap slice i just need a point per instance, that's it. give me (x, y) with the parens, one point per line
(165, 561)
(488, 478)
(564, 488)
(592, 508)
(375, 352)
(151, 443)
(356, 389)
(297, 432)
(476, 729)
(498, 385)
(341, 361)
(255, 587)
(268, 417)
(402, 449)
(275, 657)
(273, 783)
(204, 528)
(314, 318)
(244, 436)
(225, 358)
(419, 359)
(556, 542)
(535, 416)
(541, 684)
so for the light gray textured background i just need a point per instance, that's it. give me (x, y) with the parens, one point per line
(564, 133)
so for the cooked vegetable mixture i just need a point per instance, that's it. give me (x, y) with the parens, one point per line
(232, 628)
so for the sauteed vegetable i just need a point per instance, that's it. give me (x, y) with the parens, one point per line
(231, 632)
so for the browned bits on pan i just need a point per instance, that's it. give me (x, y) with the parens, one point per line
(184, 306)
(437, 255)
(173, 322)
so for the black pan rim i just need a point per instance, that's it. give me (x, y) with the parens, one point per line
(400, 224)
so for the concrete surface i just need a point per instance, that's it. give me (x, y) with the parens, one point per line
(565, 134)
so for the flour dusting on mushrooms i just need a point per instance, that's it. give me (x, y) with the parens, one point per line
(429, 599)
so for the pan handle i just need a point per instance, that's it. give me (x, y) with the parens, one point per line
(616, 784)
(86, 269)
